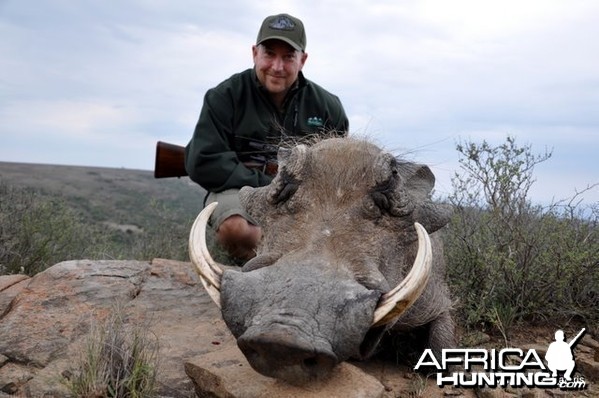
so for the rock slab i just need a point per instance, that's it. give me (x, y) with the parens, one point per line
(45, 323)
(45, 320)
(225, 373)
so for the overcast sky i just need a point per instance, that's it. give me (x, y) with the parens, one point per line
(97, 83)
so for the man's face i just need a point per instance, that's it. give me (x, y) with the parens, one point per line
(277, 66)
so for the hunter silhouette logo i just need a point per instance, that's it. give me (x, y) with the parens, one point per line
(559, 354)
(508, 367)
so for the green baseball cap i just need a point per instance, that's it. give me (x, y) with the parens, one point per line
(283, 27)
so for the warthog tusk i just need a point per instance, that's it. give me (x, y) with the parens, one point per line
(396, 301)
(209, 270)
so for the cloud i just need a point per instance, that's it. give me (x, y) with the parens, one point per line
(415, 75)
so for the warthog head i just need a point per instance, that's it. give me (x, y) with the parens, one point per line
(345, 256)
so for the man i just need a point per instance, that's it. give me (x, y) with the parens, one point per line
(559, 356)
(262, 105)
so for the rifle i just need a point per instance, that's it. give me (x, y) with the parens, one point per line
(575, 339)
(170, 161)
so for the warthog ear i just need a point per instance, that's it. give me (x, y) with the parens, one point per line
(418, 183)
(418, 179)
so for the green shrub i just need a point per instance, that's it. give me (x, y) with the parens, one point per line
(37, 231)
(165, 236)
(509, 259)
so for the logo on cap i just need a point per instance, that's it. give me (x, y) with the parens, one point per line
(283, 27)
(282, 23)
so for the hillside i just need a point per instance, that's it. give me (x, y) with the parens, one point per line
(110, 195)
(52, 213)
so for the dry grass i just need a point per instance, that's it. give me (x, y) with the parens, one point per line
(118, 361)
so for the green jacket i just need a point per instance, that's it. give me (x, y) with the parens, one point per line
(239, 110)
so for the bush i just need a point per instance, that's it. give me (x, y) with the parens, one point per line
(37, 231)
(165, 236)
(509, 259)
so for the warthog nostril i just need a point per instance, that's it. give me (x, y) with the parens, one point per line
(280, 352)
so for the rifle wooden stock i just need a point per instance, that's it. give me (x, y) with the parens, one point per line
(170, 162)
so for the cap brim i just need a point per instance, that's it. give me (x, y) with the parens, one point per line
(284, 39)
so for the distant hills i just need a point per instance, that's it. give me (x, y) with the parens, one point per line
(51, 213)
(119, 197)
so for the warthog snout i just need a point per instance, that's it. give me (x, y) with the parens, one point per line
(296, 317)
(281, 352)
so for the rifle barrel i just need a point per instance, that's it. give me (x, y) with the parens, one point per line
(575, 339)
